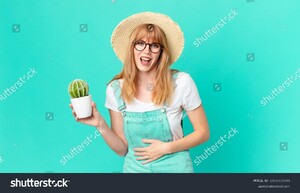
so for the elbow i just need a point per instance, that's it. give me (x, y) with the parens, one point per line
(122, 152)
(206, 135)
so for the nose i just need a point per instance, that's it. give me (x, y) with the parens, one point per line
(147, 49)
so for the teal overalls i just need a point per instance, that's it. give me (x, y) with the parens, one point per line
(149, 125)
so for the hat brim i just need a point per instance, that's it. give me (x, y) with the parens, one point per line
(121, 34)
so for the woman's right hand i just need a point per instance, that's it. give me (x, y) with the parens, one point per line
(94, 120)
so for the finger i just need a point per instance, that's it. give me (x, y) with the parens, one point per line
(74, 114)
(94, 105)
(142, 149)
(148, 140)
(142, 158)
(71, 106)
(140, 154)
(148, 161)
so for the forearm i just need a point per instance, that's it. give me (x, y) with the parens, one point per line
(112, 139)
(199, 136)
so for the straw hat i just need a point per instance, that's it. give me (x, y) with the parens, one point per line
(121, 34)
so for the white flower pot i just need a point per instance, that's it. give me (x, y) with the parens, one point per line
(82, 106)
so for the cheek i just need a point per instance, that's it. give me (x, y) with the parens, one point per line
(156, 57)
(136, 56)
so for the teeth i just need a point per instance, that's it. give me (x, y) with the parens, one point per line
(146, 59)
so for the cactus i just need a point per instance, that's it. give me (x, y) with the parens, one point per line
(78, 88)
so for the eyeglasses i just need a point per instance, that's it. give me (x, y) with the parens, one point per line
(140, 45)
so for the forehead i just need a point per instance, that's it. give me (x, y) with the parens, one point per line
(148, 39)
(147, 36)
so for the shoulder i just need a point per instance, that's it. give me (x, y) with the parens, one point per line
(183, 78)
(113, 86)
(114, 83)
(183, 75)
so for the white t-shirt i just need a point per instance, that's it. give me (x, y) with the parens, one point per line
(185, 97)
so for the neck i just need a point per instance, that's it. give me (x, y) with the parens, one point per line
(146, 77)
(146, 80)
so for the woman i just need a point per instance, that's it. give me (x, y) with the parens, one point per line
(146, 99)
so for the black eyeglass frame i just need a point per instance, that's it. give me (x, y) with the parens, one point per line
(161, 46)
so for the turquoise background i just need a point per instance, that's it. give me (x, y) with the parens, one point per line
(49, 39)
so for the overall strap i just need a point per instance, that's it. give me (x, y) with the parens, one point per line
(117, 90)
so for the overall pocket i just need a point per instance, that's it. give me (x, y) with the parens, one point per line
(135, 131)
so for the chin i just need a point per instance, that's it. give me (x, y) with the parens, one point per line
(143, 68)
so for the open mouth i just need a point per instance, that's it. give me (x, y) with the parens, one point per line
(145, 60)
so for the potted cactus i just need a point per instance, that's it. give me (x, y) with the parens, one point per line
(80, 98)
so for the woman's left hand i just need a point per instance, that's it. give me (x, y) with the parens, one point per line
(155, 150)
